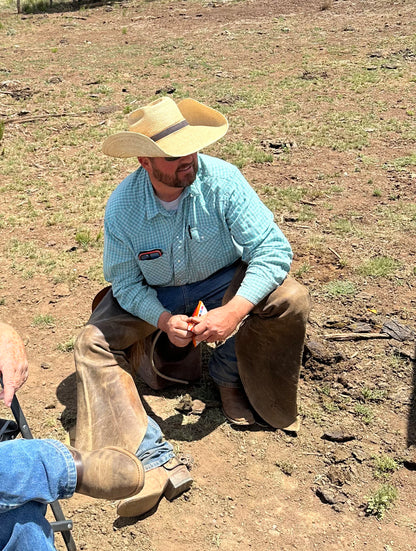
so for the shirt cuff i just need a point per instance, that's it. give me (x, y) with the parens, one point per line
(151, 312)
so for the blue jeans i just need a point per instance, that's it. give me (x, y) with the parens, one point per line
(154, 450)
(184, 299)
(33, 473)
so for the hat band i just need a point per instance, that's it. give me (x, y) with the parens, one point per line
(169, 130)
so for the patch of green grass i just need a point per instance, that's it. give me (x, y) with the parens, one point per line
(83, 238)
(365, 413)
(305, 268)
(329, 406)
(35, 6)
(384, 466)
(373, 395)
(402, 163)
(342, 226)
(382, 500)
(43, 321)
(288, 201)
(286, 467)
(67, 346)
(339, 288)
(398, 216)
(243, 153)
(379, 266)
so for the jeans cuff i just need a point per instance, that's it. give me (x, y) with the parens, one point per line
(159, 461)
(66, 490)
(227, 384)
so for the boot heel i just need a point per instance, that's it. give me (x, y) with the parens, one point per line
(179, 481)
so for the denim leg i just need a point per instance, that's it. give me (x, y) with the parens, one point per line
(35, 470)
(183, 300)
(223, 366)
(26, 529)
(154, 450)
(32, 474)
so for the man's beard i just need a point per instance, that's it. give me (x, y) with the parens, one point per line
(178, 179)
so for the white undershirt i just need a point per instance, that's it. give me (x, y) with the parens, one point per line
(170, 205)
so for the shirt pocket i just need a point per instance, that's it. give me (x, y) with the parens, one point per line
(157, 271)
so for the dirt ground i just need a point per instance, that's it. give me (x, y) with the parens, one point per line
(253, 489)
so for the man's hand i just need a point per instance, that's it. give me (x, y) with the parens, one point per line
(176, 328)
(13, 362)
(220, 323)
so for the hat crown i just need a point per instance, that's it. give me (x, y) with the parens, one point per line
(155, 117)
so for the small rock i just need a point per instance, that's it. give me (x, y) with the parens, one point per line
(166, 90)
(186, 459)
(54, 80)
(398, 331)
(104, 109)
(338, 435)
(185, 404)
(360, 327)
(198, 407)
(322, 353)
(339, 475)
(359, 455)
(341, 455)
(326, 496)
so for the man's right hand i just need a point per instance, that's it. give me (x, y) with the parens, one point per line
(176, 328)
(13, 362)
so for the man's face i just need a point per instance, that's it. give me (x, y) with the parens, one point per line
(177, 172)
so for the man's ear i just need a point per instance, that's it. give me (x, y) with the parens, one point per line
(145, 162)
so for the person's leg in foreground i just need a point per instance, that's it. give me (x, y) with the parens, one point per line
(34, 473)
(110, 411)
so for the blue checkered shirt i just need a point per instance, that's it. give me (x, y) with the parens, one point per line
(219, 219)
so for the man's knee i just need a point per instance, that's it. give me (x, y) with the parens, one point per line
(290, 298)
(298, 295)
(89, 338)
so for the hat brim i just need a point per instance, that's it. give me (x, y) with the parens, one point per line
(183, 142)
(205, 127)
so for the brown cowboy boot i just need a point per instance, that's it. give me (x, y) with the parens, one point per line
(236, 407)
(169, 480)
(108, 473)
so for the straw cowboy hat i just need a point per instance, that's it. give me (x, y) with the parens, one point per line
(166, 129)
